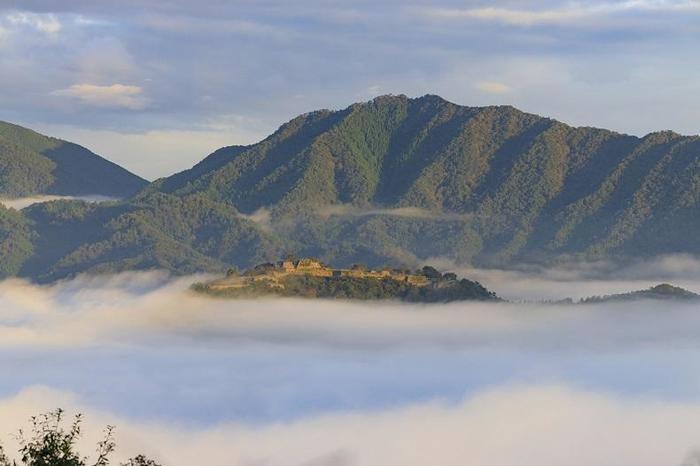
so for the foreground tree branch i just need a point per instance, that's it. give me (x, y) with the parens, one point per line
(51, 444)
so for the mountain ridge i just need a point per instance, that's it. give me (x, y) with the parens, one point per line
(34, 164)
(407, 180)
(462, 180)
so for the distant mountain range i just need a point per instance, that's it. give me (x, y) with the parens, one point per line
(390, 182)
(662, 292)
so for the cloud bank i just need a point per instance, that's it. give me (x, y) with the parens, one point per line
(575, 14)
(542, 426)
(349, 210)
(192, 380)
(149, 308)
(115, 95)
(582, 279)
(24, 202)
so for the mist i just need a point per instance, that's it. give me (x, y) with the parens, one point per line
(577, 280)
(502, 427)
(24, 202)
(349, 210)
(150, 308)
(195, 380)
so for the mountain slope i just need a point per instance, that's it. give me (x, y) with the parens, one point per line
(32, 164)
(184, 235)
(394, 181)
(533, 188)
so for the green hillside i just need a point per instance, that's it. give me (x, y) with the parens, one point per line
(499, 185)
(185, 235)
(392, 182)
(32, 164)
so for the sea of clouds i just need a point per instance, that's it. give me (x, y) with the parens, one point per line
(194, 380)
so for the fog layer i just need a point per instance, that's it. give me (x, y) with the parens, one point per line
(24, 202)
(195, 380)
(538, 426)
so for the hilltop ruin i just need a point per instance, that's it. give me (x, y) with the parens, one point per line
(274, 273)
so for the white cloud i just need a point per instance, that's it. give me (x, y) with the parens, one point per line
(143, 307)
(262, 216)
(546, 425)
(139, 315)
(46, 23)
(492, 87)
(115, 95)
(370, 92)
(569, 15)
(583, 279)
(24, 202)
(349, 210)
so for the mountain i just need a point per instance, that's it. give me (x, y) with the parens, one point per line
(32, 164)
(392, 182)
(489, 185)
(663, 292)
(183, 235)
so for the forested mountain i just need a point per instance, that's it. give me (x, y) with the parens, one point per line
(393, 181)
(494, 184)
(32, 164)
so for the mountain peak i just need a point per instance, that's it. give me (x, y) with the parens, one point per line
(394, 180)
(31, 164)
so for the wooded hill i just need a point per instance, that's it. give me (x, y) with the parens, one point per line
(33, 164)
(390, 182)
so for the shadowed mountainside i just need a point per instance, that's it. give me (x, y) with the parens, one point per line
(32, 164)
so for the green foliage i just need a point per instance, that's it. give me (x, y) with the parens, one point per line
(140, 460)
(442, 288)
(412, 179)
(50, 443)
(16, 238)
(502, 186)
(31, 164)
(183, 235)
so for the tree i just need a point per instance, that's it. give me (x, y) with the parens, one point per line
(450, 277)
(50, 444)
(140, 460)
(431, 272)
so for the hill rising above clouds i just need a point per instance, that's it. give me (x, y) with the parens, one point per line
(662, 292)
(393, 182)
(33, 164)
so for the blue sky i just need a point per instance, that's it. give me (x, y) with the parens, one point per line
(156, 85)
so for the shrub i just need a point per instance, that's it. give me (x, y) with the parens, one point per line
(51, 444)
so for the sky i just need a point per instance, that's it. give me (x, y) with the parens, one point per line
(157, 85)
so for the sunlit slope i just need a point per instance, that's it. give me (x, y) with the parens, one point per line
(532, 187)
(394, 181)
(32, 164)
